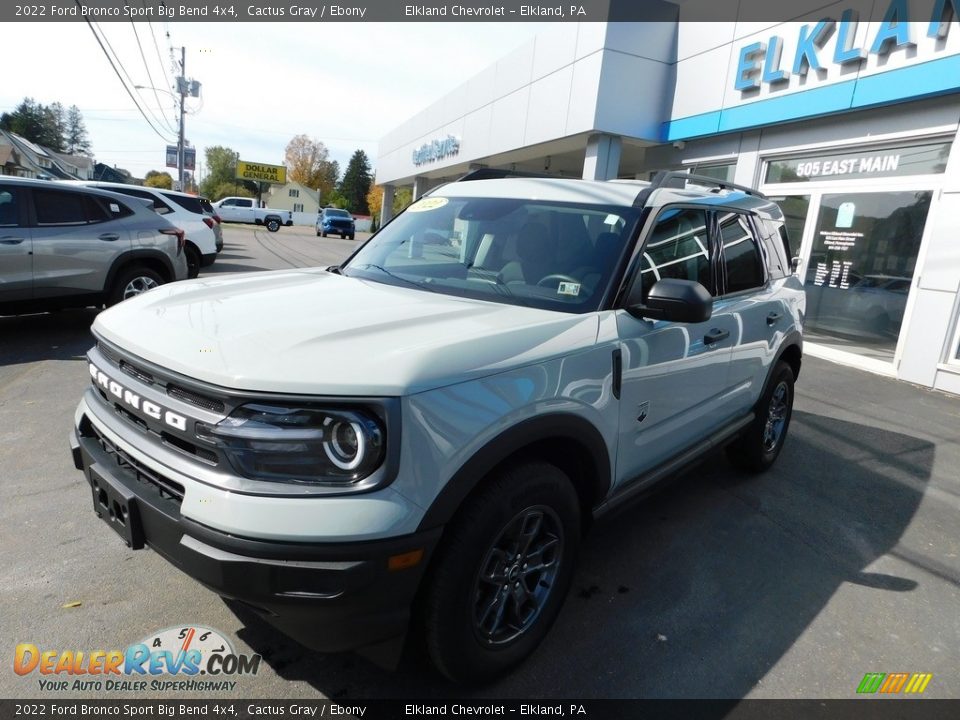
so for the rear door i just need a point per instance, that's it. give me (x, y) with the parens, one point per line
(675, 375)
(16, 246)
(750, 296)
(76, 238)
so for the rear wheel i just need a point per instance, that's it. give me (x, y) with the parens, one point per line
(350, 236)
(503, 571)
(759, 446)
(193, 260)
(273, 224)
(133, 281)
(324, 234)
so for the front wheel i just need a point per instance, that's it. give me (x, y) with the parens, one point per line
(503, 571)
(759, 446)
(273, 224)
(132, 282)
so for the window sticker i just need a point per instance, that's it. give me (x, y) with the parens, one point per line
(114, 208)
(845, 214)
(568, 288)
(427, 204)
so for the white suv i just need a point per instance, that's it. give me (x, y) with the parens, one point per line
(183, 210)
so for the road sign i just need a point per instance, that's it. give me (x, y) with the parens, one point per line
(275, 174)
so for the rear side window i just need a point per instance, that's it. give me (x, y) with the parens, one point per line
(742, 261)
(188, 203)
(156, 203)
(775, 241)
(9, 210)
(101, 209)
(244, 203)
(207, 207)
(55, 207)
(678, 247)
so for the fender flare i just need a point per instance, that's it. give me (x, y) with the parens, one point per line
(511, 442)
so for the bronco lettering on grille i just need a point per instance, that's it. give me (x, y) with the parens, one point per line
(130, 398)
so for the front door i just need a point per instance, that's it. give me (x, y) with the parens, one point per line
(675, 375)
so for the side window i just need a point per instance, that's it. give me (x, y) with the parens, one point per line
(55, 207)
(678, 247)
(96, 212)
(775, 234)
(244, 203)
(228, 203)
(742, 261)
(9, 210)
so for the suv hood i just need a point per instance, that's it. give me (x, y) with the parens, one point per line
(314, 332)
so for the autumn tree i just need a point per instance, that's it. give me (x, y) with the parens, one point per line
(356, 183)
(158, 179)
(308, 163)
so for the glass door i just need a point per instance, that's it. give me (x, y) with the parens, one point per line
(861, 266)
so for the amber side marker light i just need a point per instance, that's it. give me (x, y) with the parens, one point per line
(405, 560)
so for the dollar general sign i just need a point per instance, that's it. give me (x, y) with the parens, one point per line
(276, 174)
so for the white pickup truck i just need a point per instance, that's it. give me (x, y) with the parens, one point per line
(245, 210)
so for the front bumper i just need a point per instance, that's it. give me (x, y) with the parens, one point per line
(330, 597)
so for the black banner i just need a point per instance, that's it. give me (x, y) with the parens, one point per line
(872, 708)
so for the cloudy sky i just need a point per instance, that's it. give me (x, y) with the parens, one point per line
(346, 84)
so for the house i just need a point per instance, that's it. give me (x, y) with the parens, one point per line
(79, 166)
(106, 173)
(36, 161)
(10, 163)
(302, 201)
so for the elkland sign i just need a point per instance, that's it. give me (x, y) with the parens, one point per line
(764, 62)
(436, 150)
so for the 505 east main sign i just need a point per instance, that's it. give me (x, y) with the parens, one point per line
(761, 62)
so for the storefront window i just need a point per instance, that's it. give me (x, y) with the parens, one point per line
(861, 268)
(926, 159)
(717, 172)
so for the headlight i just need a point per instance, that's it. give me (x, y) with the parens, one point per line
(299, 444)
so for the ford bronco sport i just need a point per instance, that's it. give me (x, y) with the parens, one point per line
(419, 437)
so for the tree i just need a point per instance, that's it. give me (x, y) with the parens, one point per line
(42, 124)
(356, 183)
(375, 203)
(308, 163)
(75, 134)
(221, 172)
(157, 179)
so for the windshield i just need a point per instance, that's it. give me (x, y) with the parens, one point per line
(337, 213)
(554, 256)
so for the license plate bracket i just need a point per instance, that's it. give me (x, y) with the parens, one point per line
(117, 507)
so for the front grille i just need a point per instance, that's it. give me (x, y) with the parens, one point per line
(201, 401)
(167, 489)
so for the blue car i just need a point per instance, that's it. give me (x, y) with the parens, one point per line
(334, 221)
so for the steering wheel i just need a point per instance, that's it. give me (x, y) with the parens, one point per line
(556, 277)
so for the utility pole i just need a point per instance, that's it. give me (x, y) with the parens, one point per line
(182, 91)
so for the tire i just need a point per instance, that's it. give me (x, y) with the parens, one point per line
(350, 236)
(193, 261)
(324, 234)
(465, 642)
(318, 233)
(131, 282)
(343, 236)
(272, 224)
(758, 448)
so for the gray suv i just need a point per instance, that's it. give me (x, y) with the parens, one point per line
(64, 246)
(420, 437)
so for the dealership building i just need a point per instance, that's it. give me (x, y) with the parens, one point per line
(850, 125)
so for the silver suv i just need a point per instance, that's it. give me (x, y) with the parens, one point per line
(423, 434)
(64, 246)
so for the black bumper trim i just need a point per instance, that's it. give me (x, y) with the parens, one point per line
(328, 596)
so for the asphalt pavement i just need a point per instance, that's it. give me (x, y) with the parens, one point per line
(842, 560)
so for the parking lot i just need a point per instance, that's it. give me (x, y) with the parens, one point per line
(843, 560)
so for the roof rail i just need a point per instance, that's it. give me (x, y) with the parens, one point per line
(497, 174)
(679, 179)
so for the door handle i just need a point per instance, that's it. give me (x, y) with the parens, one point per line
(715, 335)
(10, 240)
(773, 317)
(110, 236)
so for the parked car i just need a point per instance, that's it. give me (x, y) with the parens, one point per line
(211, 212)
(419, 437)
(181, 209)
(245, 210)
(70, 246)
(335, 221)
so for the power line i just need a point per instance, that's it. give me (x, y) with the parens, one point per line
(156, 46)
(150, 79)
(120, 77)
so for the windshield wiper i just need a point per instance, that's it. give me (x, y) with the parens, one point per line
(382, 269)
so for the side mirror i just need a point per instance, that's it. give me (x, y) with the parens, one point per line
(684, 301)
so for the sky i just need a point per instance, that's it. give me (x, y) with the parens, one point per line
(345, 84)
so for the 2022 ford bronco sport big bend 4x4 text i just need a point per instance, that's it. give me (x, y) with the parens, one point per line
(433, 424)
